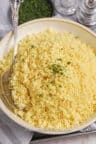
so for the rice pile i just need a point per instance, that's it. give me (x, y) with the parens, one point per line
(54, 80)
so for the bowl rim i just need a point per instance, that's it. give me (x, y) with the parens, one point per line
(21, 122)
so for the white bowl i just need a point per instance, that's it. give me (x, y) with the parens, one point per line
(36, 26)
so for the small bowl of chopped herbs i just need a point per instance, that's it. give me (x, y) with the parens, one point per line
(33, 9)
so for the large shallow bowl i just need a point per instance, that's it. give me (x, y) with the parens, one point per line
(36, 26)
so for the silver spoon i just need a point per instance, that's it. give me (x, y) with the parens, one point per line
(15, 5)
(4, 83)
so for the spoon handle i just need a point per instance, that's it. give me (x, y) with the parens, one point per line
(15, 5)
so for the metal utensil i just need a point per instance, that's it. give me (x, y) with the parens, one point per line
(15, 5)
(5, 88)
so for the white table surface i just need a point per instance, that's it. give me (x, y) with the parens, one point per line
(85, 139)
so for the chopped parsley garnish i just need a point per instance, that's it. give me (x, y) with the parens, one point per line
(52, 82)
(68, 63)
(40, 95)
(32, 46)
(59, 59)
(57, 69)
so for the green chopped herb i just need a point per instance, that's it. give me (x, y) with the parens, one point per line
(59, 59)
(23, 59)
(57, 69)
(32, 46)
(47, 86)
(33, 9)
(40, 95)
(61, 72)
(68, 63)
(60, 86)
(52, 82)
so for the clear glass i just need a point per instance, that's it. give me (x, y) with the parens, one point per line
(66, 7)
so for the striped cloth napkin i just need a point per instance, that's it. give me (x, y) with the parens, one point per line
(10, 132)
